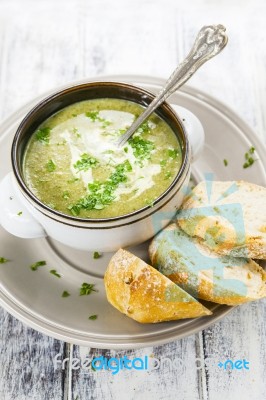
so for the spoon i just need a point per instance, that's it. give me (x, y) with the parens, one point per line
(209, 42)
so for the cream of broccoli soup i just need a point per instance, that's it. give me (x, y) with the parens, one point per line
(72, 163)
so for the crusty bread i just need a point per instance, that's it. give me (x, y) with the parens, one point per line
(142, 293)
(204, 274)
(229, 217)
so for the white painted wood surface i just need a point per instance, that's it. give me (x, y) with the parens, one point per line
(47, 43)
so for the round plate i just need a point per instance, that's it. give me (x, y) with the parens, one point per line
(35, 297)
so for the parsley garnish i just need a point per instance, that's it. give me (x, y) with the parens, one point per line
(102, 193)
(36, 265)
(94, 116)
(65, 293)
(93, 317)
(86, 162)
(19, 213)
(141, 148)
(249, 158)
(55, 273)
(144, 128)
(66, 195)
(86, 289)
(3, 260)
(43, 135)
(96, 255)
(173, 153)
(167, 175)
(50, 166)
(225, 162)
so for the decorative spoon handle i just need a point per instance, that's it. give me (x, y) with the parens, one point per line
(209, 42)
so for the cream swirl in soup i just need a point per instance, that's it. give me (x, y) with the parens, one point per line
(72, 163)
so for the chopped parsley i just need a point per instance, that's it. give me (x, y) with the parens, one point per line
(19, 213)
(73, 180)
(55, 273)
(66, 195)
(96, 255)
(86, 289)
(150, 203)
(93, 317)
(102, 194)
(3, 260)
(163, 163)
(142, 148)
(43, 135)
(144, 128)
(225, 162)
(167, 175)
(86, 162)
(65, 293)
(94, 116)
(249, 158)
(36, 265)
(173, 153)
(50, 166)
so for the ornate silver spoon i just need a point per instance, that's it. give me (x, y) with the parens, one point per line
(209, 42)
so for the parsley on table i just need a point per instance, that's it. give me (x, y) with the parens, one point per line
(43, 135)
(86, 162)
(36, 265)
(19, 213)
(225, 162)
(3, 260)
(96, 255)
(50, 166)
(93, 317)
(55, 273)
(86, 289)
(249, 158)
(65, 293)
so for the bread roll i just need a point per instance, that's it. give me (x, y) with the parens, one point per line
(229, 217)
(144, 294)
(203, 273)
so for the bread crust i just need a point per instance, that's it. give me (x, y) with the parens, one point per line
(144, 294)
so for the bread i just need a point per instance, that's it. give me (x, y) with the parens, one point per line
(203, 273)
(144, 294)
(229, 217)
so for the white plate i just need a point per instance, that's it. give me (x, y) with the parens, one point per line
(35, 297)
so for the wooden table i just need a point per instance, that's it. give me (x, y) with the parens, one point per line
(47, 43)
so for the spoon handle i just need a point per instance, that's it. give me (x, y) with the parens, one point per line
(209, 42)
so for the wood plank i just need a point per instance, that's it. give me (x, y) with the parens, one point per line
(165, 383)
(26, 360)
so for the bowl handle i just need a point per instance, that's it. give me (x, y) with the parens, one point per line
(14, 216)
(193, 128)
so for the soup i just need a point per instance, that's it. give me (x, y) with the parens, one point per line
(72, 163)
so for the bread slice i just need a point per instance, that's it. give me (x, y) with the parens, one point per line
(229, 217)
(203, 273)
(144, 294)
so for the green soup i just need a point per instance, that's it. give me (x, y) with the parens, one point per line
(73, 165)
